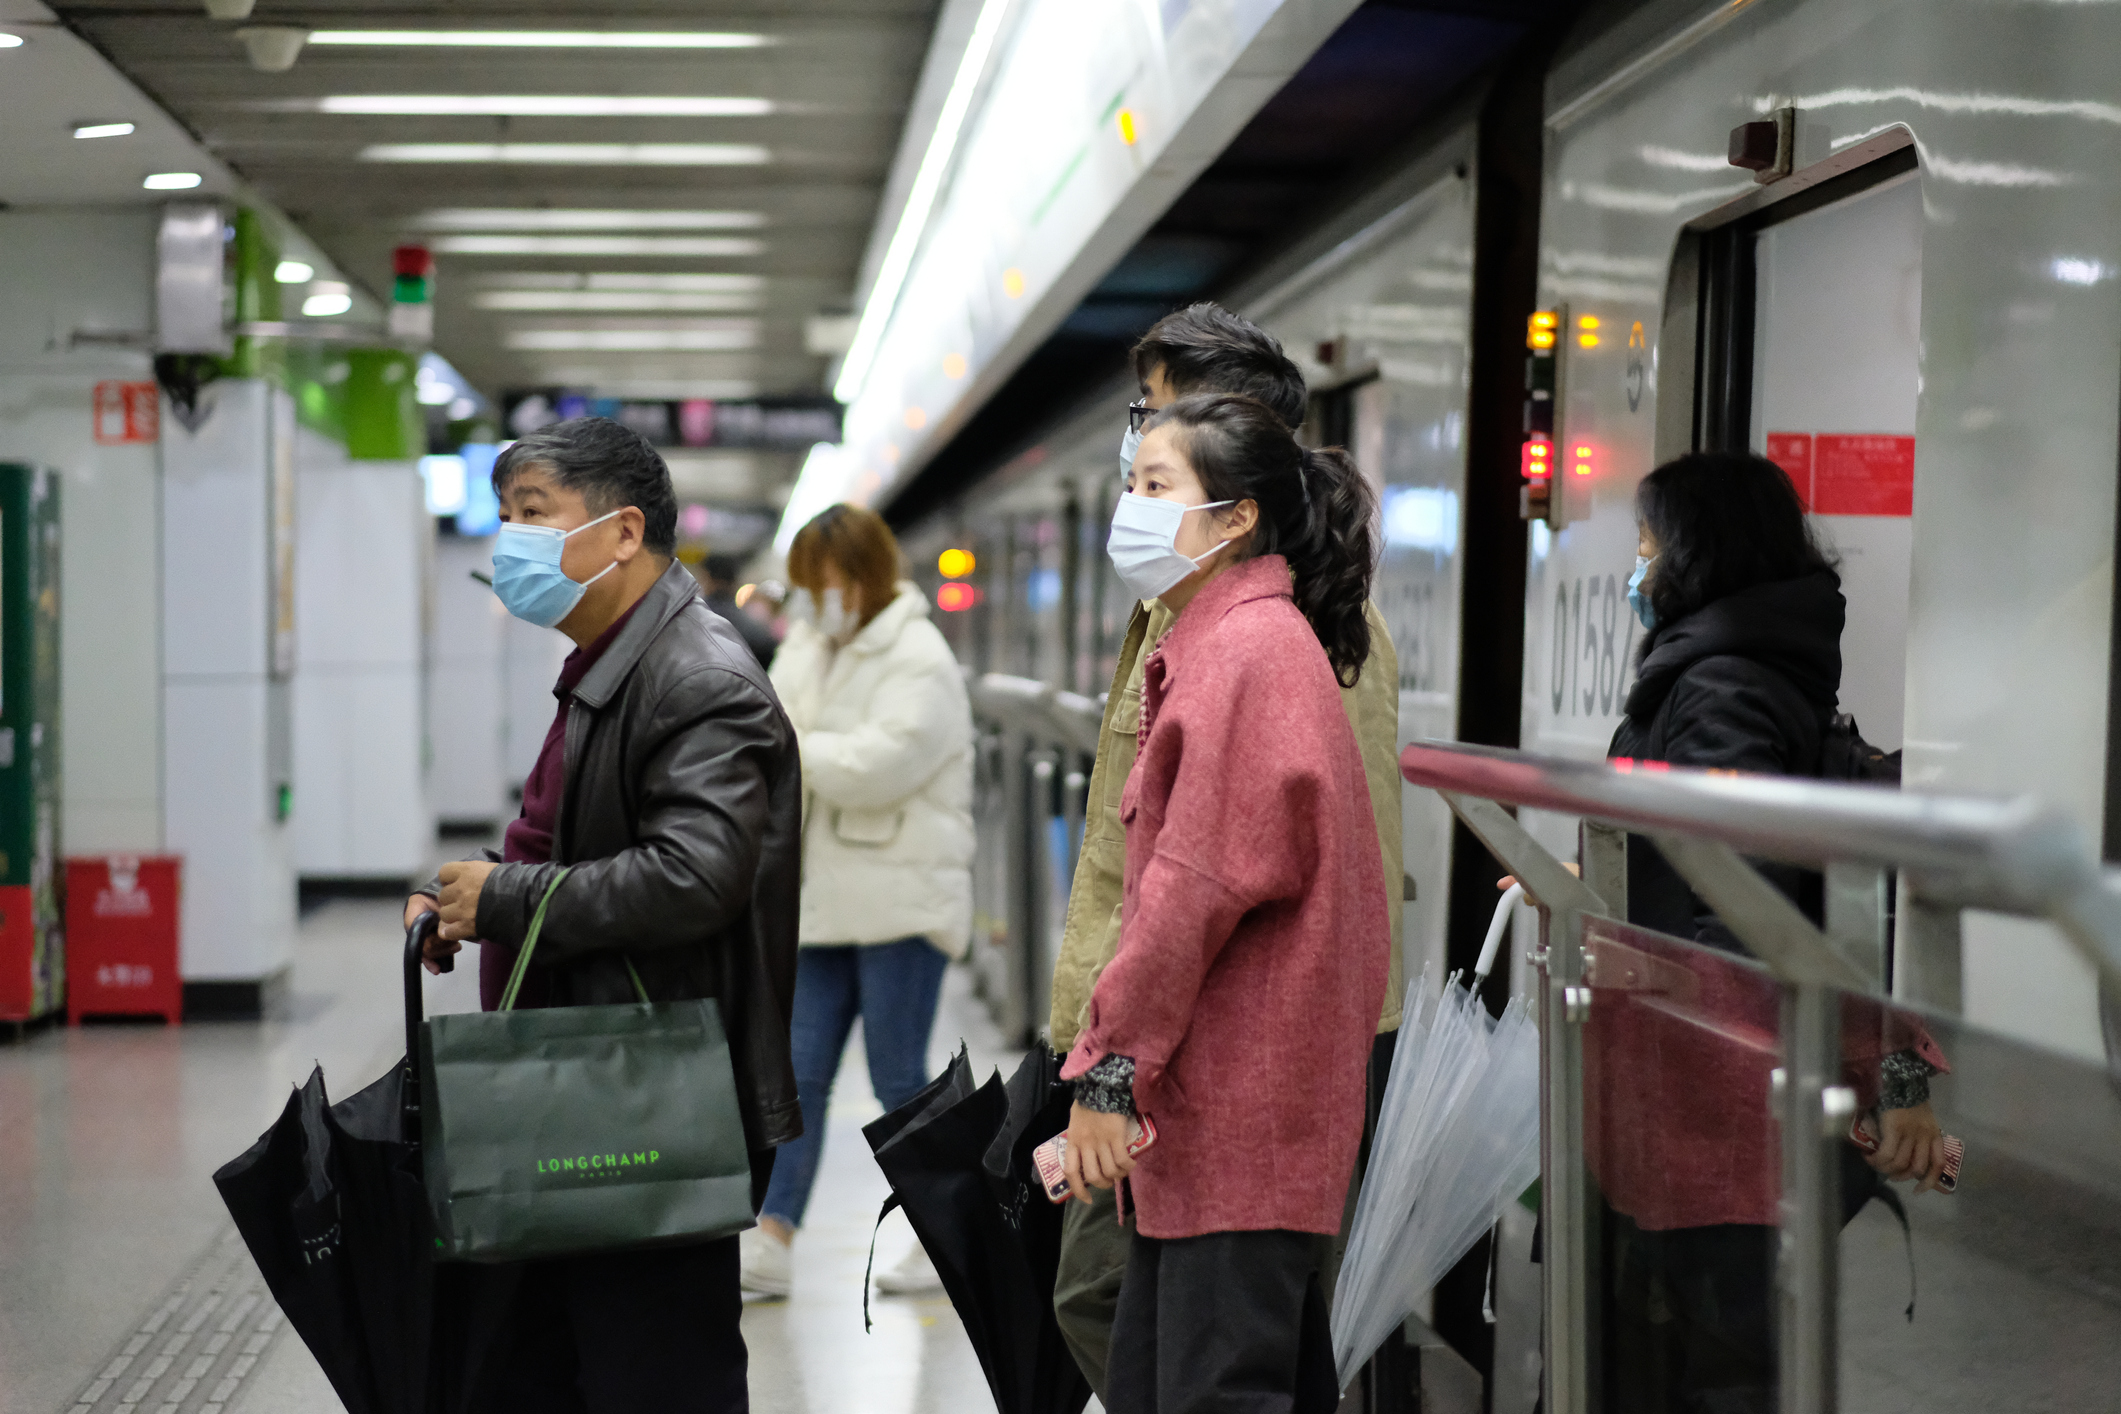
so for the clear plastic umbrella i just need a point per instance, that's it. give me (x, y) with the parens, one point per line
(1457, 1138)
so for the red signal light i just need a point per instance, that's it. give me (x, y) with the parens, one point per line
(1538, 458)
(955, 597)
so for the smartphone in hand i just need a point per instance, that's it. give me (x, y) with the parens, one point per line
(1051, 1157)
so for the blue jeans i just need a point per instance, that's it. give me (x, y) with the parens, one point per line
(893, 988)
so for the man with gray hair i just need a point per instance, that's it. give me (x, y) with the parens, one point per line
(669, 785)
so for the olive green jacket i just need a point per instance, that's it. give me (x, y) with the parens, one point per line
(1090, 935)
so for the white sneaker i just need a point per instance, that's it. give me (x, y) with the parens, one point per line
(766, 1265)
(913, 1276)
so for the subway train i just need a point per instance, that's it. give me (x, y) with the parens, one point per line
(1873, 241)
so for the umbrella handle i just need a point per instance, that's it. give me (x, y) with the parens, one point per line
(1496, 927)
(417, 933)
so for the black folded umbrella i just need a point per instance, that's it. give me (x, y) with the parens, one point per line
(992, 1235)
(332, 1203)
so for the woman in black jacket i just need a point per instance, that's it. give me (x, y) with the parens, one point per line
(1740, 670)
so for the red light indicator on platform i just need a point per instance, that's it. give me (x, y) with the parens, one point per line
(955, 597)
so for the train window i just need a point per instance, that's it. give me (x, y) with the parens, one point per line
(1809, 354)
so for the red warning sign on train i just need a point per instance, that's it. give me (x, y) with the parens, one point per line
(1848, 473)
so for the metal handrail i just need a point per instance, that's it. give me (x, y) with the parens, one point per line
(2006, 855)
(1028, 705)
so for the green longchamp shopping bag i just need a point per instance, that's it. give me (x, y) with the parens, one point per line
(566, 1130)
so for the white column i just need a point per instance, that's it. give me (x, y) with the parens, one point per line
(466, 701)
(362, 572)
(219, 698)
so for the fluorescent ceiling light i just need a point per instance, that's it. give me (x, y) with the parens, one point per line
(581, 154)
(293, 272)
(701, 338)
(541, 219)
(920, 203)
(617, 280)
(328, 298)
(597, 245)
(614, 301)
(103, 130)
(10, 41)
(539, 39)
(171, 181)
(529, 105)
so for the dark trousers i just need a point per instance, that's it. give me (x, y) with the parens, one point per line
(650, 1332)
(1690, 1327)
(1225, 1323)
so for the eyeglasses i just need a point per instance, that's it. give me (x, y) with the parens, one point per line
(1137, 414)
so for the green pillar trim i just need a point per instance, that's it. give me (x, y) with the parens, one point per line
(383, 422)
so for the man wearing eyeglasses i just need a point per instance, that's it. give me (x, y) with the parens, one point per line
(1202, 349)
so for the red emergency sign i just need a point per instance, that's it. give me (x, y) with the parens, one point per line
(127, 412)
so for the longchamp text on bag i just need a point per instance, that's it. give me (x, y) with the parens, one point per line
(567, 1130)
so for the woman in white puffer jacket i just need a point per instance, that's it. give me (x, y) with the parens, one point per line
(885, 731)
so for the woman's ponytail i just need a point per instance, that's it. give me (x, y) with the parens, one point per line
(1316, 511)
(1334, 558)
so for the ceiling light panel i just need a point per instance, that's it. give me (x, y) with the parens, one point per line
(541, 219)
(704, 338)
(597, 245)
(540, 39)
(618, 280)
(90, 130)
(577, 154)
(614, 301)
(528, 105)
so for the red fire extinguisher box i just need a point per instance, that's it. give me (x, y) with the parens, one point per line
(121, 937)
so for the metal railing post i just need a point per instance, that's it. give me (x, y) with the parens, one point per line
(1815, 1110)
(1926, 952)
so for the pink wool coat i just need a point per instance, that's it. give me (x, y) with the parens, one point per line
(1253, 936)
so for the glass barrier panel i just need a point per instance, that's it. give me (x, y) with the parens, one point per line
(1684, 1173)
(2011, 1298)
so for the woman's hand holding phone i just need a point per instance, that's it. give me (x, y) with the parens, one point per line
(1096, 1154)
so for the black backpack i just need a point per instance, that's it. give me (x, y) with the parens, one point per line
(1845, 756)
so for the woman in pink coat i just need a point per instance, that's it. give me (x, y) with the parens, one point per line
(1254, 940)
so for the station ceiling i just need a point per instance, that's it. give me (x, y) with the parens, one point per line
(655, 221)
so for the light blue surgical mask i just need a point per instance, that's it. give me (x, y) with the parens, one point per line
(527, 573)
(1637, 600)
(1143, 543)
(1128, 446)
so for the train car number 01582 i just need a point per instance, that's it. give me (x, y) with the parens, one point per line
(1592, 631)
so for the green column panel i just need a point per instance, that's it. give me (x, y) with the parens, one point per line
(32, 946)
(383, 421)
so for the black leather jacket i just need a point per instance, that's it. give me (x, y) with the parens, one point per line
(681, 815)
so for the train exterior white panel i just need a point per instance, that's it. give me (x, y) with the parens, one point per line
(1392, 308)
(2011, 109)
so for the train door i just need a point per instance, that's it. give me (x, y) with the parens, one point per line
(1835, 374)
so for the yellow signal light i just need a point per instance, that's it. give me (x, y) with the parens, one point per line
(1542, 339)
(1544, 319)
(955, 563)
(1013, 283)
(1589, 341)
(1127, 134)
(1587, 321)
